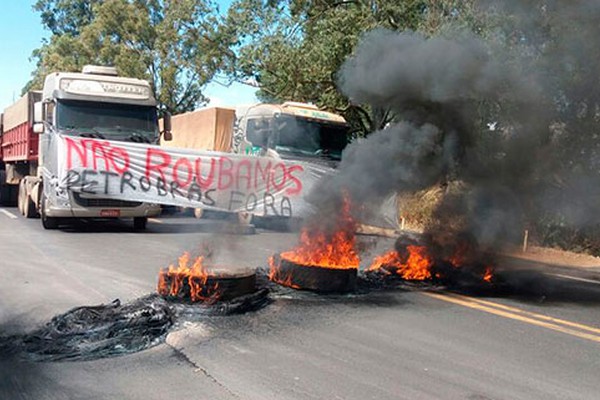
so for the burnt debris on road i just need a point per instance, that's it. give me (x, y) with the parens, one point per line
(107, 330)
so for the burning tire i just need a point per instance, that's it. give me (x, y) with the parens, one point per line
(230, 285)
(309, 277)
(215, 285)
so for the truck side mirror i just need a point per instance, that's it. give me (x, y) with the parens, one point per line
(167, 135)
(38, 117)
(38, 112)
(38, 128)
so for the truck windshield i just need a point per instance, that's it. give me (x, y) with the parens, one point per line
(303, 137)
(110, 121)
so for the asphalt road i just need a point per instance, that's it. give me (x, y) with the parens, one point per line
(537, 338)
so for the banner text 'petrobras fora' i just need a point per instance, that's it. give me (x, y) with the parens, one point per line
(187, 178)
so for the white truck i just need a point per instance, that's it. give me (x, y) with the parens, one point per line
(289, 131)
(96, 103)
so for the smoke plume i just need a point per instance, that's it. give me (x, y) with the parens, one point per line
(446, 93)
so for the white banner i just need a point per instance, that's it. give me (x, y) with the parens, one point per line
(187, 178)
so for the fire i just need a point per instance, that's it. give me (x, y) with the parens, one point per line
(416, 262)
(320, 249)
(460, 255)
(276, 275)
(417, 266)
(488, 275)
(174, 280)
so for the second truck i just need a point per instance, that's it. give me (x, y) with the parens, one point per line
(288, 131)
(96, 103)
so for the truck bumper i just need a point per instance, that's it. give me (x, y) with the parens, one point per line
(101, 208)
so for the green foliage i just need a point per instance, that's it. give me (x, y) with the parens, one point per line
(65, 16)
(293, 49)
(173, 44)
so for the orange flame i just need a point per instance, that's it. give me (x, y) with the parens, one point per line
(417, 266)
(172, 280)
(417, 263)
(488, 275)
(460, 255)
(276, 275)
(319, 249)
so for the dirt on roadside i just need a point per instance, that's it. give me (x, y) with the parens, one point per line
(556, 257)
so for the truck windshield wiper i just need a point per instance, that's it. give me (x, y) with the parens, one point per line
(138, 138)
(94, 134)
(326, 153)
(132, 135)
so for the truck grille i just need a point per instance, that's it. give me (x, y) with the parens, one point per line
(97, 202)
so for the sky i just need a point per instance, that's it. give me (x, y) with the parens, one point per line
(21, 32)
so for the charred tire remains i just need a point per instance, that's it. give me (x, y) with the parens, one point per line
(108, 330)
(92, 332)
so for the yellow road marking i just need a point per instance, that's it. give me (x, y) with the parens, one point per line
(535, 315)
(532, 318)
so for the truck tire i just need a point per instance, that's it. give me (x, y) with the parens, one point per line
(47, 222)
(21, 197)
(29, 209)
(139, 223)
(26, 205)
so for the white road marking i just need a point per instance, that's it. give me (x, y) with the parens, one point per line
(575, 278)
(8, 214)
(158, 221)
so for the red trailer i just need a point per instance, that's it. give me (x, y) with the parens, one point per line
(18, 146)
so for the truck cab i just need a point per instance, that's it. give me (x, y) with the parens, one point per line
(98, 104)
(291, 131)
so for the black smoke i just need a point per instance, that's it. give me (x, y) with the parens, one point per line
(446, 92)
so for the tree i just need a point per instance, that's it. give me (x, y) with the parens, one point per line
(294, 49)
(65, 16)
(173, 44)
(558, 40)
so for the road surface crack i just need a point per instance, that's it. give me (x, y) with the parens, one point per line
(197, 368)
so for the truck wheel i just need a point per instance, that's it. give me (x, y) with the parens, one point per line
(139, 223)
(29, 210)
(47, 222)
(26, 205)
(21, 197)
